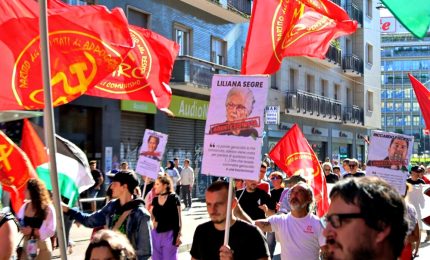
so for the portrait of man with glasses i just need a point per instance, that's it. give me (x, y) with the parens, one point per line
(238, 106)
(365, 220)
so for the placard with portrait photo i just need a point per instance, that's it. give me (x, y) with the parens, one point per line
(151, 153)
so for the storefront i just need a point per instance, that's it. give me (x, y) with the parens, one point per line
(341, 145)
(317, 138)
(186, 134)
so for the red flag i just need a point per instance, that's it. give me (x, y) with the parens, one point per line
(145, 72)
(86, 45)
(291, 28)
(423, 98)
(15, 170)
(294, 156)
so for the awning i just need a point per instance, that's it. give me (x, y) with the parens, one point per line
(13, 115)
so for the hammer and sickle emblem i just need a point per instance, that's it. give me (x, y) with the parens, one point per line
(4, 156)
(77, 69)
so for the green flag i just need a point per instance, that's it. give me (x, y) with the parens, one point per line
(414, 16)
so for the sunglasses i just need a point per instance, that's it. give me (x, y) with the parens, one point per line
(353, 165)
(276, 178)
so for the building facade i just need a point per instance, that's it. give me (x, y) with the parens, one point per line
(335, 101)
(401, 54)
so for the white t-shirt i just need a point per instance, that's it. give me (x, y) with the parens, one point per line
(300, 238)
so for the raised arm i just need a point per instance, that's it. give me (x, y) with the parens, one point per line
(264, 225)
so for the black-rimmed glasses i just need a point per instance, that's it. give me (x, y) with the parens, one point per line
(335, 220)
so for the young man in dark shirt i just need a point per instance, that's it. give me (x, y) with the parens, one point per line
(255, 202)
(246, 241)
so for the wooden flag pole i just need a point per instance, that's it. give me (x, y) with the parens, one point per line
(49, 126)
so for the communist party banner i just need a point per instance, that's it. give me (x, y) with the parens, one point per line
(423, 98)
(15, 170)
(145, 72)
(280, 28)
(86, 45)
(294, 156)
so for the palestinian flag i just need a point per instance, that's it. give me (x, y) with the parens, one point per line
(73, 169)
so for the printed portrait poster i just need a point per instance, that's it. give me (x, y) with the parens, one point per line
(234, 126)
(151, 153)
(389, 156)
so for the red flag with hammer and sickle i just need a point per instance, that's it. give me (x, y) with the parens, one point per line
(15, 170)
(280, 28)
(86, 45)
(294, 156)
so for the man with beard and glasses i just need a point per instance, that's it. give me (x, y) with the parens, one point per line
(246, 241)
(365, 220)
(299, 232)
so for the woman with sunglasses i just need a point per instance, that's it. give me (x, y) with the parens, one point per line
(277, 181)
(328, 173)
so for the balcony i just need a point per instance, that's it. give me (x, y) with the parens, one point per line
(353, 115)
(333, 58)
(315, 106)
(355, 13)
(234, 11)
(352, 65)
(198, 72)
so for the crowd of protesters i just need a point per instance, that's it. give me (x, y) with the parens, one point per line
(367, 218)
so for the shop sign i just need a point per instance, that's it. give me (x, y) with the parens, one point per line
(189, 107)
(315, 131)
(138, 106)
(272, 115)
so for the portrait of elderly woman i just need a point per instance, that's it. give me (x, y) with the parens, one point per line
(239, 104)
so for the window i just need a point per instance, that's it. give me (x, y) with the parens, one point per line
(390, 106)
(337, 91)
(324, 87)
(369, 8)
(218, 51)
(183, 36)
(369, 100)
(310, 83)
(80, 2)
(293, 79)
(407, 107)
(416, 120)
(415, 106)
(407, 120)
(273, 81)
(390, 121)
(369, 54)
(138, 17)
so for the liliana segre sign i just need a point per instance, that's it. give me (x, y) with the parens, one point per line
(272, 115)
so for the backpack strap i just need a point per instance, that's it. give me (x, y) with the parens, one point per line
(121, 220)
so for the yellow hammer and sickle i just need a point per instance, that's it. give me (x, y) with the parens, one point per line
(77, 69)
(4, 155)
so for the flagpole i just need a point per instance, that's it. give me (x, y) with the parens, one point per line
(49, 126)
(228, 218)
(144, 187)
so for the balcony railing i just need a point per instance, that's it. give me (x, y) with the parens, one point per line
(312, 104)
(334, 54)
(352, 62)
(353, 114)
(355, 13)
(192, 70)
(243, 6)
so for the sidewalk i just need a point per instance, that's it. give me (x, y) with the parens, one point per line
(190, 220)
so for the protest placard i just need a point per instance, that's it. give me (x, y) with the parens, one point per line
(150, 153)
(234, 126)
(389, 156)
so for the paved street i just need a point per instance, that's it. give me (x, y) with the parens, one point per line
(191, 219)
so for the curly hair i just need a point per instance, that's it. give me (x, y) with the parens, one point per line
(39, 196)
(117, 243)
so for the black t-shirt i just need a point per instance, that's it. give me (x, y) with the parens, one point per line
(418, 181)
(276, 194)
(250, 202)
(167, 216)
(332, 178)
(357, 174)
(246, 241)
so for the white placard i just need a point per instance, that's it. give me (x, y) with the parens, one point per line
(150, 153)
(389, 156)
(234, 127)
(108, 158)
(272, 115)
